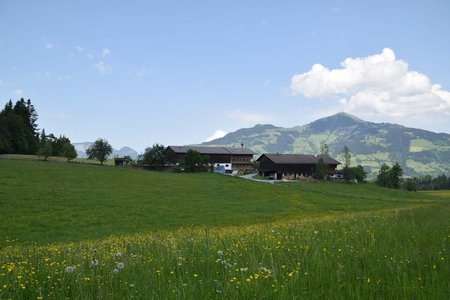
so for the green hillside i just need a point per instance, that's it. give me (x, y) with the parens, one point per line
(50, 202)
(419, 152)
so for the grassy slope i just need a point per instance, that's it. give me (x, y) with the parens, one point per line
(50, 202)
(393, 254)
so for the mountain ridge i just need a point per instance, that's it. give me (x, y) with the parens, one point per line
(124, 151)
(418, 151)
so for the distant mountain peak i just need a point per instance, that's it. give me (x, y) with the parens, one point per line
(341, 119)
(347, 115)
(82, 147)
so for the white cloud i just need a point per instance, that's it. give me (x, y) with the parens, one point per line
(49, 45)
(64, 77)
(1, 82)
(106, 52)
(217, 135)
(142, 72)
(103, 68)
(45, 74)
(378, 84)
(80, 49)
(18, 93)
(90, 56)
(249, 117)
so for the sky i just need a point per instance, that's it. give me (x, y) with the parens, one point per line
(183, 72)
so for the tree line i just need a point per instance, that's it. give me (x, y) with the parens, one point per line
(18, 128)
(427, 183)
(19, 133)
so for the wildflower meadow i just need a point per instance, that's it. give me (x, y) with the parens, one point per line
(394, 249)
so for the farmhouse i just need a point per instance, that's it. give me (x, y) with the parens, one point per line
(292, 165)
(232, 159)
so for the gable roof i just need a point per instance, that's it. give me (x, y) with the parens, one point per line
(212, 150)
(298, 159)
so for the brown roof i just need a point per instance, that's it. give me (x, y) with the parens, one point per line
(298, 159)
(212, 150)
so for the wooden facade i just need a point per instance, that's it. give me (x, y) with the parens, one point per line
(278, 166)
(239, 158)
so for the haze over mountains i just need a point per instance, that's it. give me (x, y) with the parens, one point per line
(418, 151)
(124, 151)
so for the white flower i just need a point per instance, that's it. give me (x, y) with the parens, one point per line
(94, 262)
(68, 269)
(120, 265)
(220, 253)
(316, 232)
(115, 271)
(117, 254)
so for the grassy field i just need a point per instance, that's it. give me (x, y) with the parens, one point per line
(108, 162)
(86, 232)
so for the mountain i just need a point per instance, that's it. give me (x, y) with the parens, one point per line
(418, 151)
(81, 150)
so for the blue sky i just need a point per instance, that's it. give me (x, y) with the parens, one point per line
(176, 72)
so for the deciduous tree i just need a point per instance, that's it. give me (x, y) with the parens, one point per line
(100, 150)
(155, 155)
(45, 150)
(69, 152)
(193, 161)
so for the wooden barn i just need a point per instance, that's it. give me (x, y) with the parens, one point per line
(239, 159)
(278, 166)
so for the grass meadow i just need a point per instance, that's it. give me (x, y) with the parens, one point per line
(89, 232)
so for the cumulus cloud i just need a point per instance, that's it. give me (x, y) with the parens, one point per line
(376, 84)
(102, 67)
(217, 135)
(249, 117)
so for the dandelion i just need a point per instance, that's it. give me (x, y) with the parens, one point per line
(10, 267)
(68, 269)
(117, 254)
(115, 271)
(94, 262)
(120, 265)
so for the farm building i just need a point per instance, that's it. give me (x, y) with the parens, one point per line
(292, 165)
(227, 158)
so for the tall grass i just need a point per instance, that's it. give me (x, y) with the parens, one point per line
(88, 232)
(396, 254)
